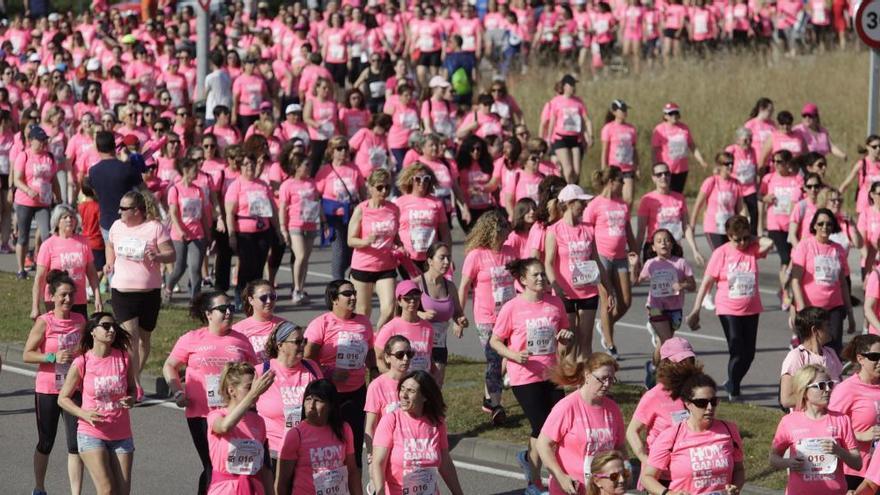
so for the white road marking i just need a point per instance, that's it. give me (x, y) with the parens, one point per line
(19, 371)
(679, 333)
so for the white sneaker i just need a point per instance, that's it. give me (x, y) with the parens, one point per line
(296, 298)
(708, 304)
(598, 325)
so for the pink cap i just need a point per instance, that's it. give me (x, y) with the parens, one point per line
(265, 106)
(572, 192)
(810, 109)
(671, 107)
(676, 349)
(405, 288)
(131, 140)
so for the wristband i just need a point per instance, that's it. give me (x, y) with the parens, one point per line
(50, 357)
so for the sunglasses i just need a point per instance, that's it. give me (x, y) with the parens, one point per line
(412, 297)
(704, 403)
(126, 208)
(813, 186)
(400, 354)
(662, 174)
(422, 178)
(823, 386)
(873, 146)
(619, 477)
(821, 165)
(209, 146)
(381, 187)
(726, 164)
(224, 308)
(265, 298)
(341, 148)
(296, 342)
(348, 293)
(173, 143)
(824, 224)
(871, 356)
(107, 325)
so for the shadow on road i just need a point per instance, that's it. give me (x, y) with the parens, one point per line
(17, 393)
(13, 412)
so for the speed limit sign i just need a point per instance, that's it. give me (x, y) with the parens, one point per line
(868, 23)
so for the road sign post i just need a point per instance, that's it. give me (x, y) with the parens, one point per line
(867, 25)
(202, 34)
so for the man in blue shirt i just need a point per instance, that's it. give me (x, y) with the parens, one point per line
(457, 59)
(111, 178)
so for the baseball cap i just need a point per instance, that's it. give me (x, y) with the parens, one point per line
(671, 108)
(676, 349)
(93, 65)
(810, 109)
(131, 140)
(438, 82)
(405, 288)
(293, 108)
(619, 104)
(572, 192)
(54, 17)
(265, 106)
(37, 132)
(34, 58)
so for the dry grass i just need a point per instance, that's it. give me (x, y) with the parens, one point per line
(716, 98)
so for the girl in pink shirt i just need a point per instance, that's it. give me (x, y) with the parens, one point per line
(282, 404)
(485, 270)
(408, 323)
(105, 374)
(664, 208)
(866, 170)
(526, 333)
(204, 352)
(803, 211)
(258, 302)
(411, 448)
(353, 116)
(745, 169)
(236, 433)
(382, 397)
(318, 455)
(569, 123)
(734, 268)
(722, 196)
(780, 191)
(819, 442)
(762, 126)
(574, 269)
(34, 176)
(702, 454)
(321, 115)
(191, 215)
(342, 343)
(784, 138)
(370, 144)
(811, 327)
(818, 276)
(857, 398)
(608, 215)
(583, 424)
(300, 217)
(619, 140)
(52, 344)
(478, 180)
(632, 26)
(422, 216)
(373, 235)
(672, 143)
(405, 121)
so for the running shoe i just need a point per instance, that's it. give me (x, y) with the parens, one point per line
(38, 492)
(22, 275)
(296, 297)
(523, 460)
(499, 415)
(708, 304)
(487, 406)
(140, 394)
(533, 490)
(29, 262)
(6, 249)
(613, 351)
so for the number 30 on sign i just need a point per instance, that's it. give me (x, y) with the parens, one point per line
(868, 23)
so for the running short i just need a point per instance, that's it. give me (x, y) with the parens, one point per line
(673, 316)
(588, 304)
(88, 442)
(372, 277)
(440, 355)
(141, 305)
(430, 59)
(618, 265)
(565, 142)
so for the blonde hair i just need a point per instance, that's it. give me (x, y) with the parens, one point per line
(599, 461)
(232, 376)
(801, 380)
(378, 176)
(487, 231)
(405, 179)
(570, 371)
(332, 144)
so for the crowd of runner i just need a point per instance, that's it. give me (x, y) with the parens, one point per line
(375, 132)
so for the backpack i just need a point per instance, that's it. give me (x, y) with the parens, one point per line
(461, 81)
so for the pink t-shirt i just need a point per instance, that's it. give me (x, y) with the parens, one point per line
(132, 269)
(237, 452)
(609, 219)
(341, 183)
(382, 396)
(38, 171)
(192, 207)
(791, 141)
(61, 335)
(721, 199)
(869, 225)
(421, 340)
(420, 221)
(872, 290)
(817, 141)
(473, 181)
(205, 354)
(663, 211)
(72, 255)
(535, 241)
(526, 185)
(326, 114)
(802, 214)
(250, 90)
(800, 356)
(800, 434)
(745, 168)
(698, 461)
(257, 332)
(371, 150)
(736, 274)
(344, 346)
(404, 122)
(869, 173)
(761, 132)
(319, 455)
(620, 141)
(787, 190)
(861, 402)
(493, 284)
(531, 326)
(570, 113)
(382, 222)
(662, 273)
(675, 142)
(580, 431)
(104, 384)
(281, 405)
(824, 266)
(576, 271)
(414, 448)
(254, 204)
(658, 411)
(303, 203)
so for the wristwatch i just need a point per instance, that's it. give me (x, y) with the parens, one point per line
(50, 357)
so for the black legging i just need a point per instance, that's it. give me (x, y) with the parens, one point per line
(222, 260)
(316, 155)
(751, 202)
(255, 247)
(352, 412)
(537, 400)
(742, 335)
(677, 182)
(47, 412)
(836, 317)
(198, 430)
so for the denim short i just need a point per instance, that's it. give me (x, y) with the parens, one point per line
(618, 265)
(88, 442)
(673, 316)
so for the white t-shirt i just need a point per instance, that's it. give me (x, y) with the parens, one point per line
(218, 86)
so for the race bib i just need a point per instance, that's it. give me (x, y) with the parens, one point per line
(571, 120)
(819, 16)
(584, 273)
(721, 217)
(4, 164)
(45, 190)
(409, 120)
(440, 329)
(740, 285)
(326, 130)
(468, 43)
(746, 173)
(131, 248)
(351, 351)
(420, 361)
(601, 26)
(678, 147)
(661, 283)
(827, 269)
(191, 208)
(259, 204)
(540, 339)
(355, 50)
(701, 24)
(444, 126)
(378, 156)
(377, 89)
(336, 52)
(331, 481)
(815, 461)
(310, 210)
(783, 202)
(566, 42)
(674, 228)
(426, 44)
(422, 238)
(679, 416)
(502, 285)
(212, 390)
(61, 374)
(292, 415)
(420, 481)
(245, 456)
(624, 153)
